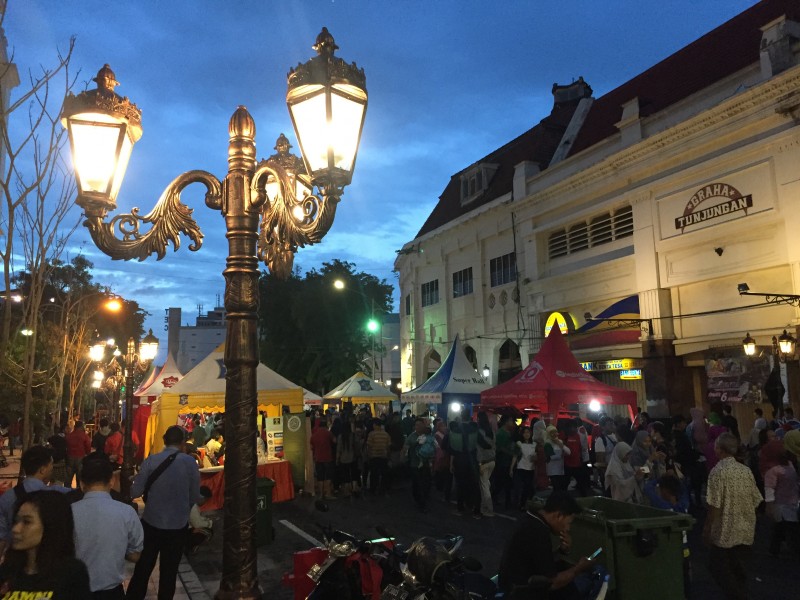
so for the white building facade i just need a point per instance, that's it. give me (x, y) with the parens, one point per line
(629, 221)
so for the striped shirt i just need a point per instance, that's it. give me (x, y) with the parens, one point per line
(378, 443)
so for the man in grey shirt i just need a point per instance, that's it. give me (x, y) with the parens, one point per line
(166, 514)
(107, 532)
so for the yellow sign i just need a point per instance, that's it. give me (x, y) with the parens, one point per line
(619, 364)
(565, 321)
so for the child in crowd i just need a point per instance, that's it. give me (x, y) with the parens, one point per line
(200, 527)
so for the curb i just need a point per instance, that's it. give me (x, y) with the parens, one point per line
(191, 582)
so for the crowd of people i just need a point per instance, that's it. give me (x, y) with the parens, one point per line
(700, 465)
(64, 542)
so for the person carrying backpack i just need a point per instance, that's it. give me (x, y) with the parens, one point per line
(420, 450)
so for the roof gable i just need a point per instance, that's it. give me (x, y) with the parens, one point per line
(720, 53)
(537, 145)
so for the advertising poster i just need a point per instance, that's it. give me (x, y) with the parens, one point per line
(274, 438)
(737, 378)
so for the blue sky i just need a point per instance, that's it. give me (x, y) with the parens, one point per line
(448, 82)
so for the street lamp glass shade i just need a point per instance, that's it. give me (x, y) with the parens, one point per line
(486, 371)
(149, 347)
(101, 149)
(96, 384)
(98, 376)
(102, 127)
(97, 351)
(749, 345)
(328, 123)
(327, 100)
(786, 343)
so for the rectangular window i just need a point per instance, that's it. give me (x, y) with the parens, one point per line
(503, 269)
(462, 283)
(430, 293)
(408, 305)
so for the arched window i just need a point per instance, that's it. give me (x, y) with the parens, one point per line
(510, 361)
(432, 363)
(472, 356)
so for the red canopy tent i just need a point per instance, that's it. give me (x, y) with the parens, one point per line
(552, 381)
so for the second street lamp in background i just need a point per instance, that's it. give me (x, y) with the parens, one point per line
(133, 362)
(265, 219)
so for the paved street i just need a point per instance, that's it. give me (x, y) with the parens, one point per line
(776, 579)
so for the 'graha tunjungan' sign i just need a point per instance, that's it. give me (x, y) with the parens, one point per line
(713, 201)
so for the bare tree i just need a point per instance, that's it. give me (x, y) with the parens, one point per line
(35, 194)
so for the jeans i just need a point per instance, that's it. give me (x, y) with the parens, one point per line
(486, 470)
(165, 545)
(421, 485)
(115, 593)
(443, 479)
(378, 469)
(728, 567)
(523, 487)
(74, 464)
(581, 475)
(465, 472)
(501, 479)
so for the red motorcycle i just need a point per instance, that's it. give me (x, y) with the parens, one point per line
(346, 568)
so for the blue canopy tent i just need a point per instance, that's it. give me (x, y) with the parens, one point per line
(454, 385)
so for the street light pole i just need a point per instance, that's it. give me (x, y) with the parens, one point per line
(327, 101)
(133, 362)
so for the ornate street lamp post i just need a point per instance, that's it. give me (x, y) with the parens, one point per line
(327, 100)
(148, 348)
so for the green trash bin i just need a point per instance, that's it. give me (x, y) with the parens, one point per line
(264, 531)
(642, 546)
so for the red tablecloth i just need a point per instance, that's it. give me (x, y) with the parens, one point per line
(279, 471)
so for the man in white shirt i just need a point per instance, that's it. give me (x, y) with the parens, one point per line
(107, 532)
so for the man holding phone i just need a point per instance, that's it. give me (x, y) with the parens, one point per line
(529, 553)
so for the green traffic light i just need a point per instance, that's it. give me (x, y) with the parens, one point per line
(372, 325)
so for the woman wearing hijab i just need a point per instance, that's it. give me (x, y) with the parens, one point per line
(539, 438)
(644, 455)
(554, 451)
(622, 479)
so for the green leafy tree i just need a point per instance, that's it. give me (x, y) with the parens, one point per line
(315, 334)
(73, 310)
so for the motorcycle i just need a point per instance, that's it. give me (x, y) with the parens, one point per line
(434, 572)
(348, 568)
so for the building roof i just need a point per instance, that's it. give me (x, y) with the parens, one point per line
(720, 53)
(537, 145)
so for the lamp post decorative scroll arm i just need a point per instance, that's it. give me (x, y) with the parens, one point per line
(169, 218)
(289, 220)
(327, 101)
